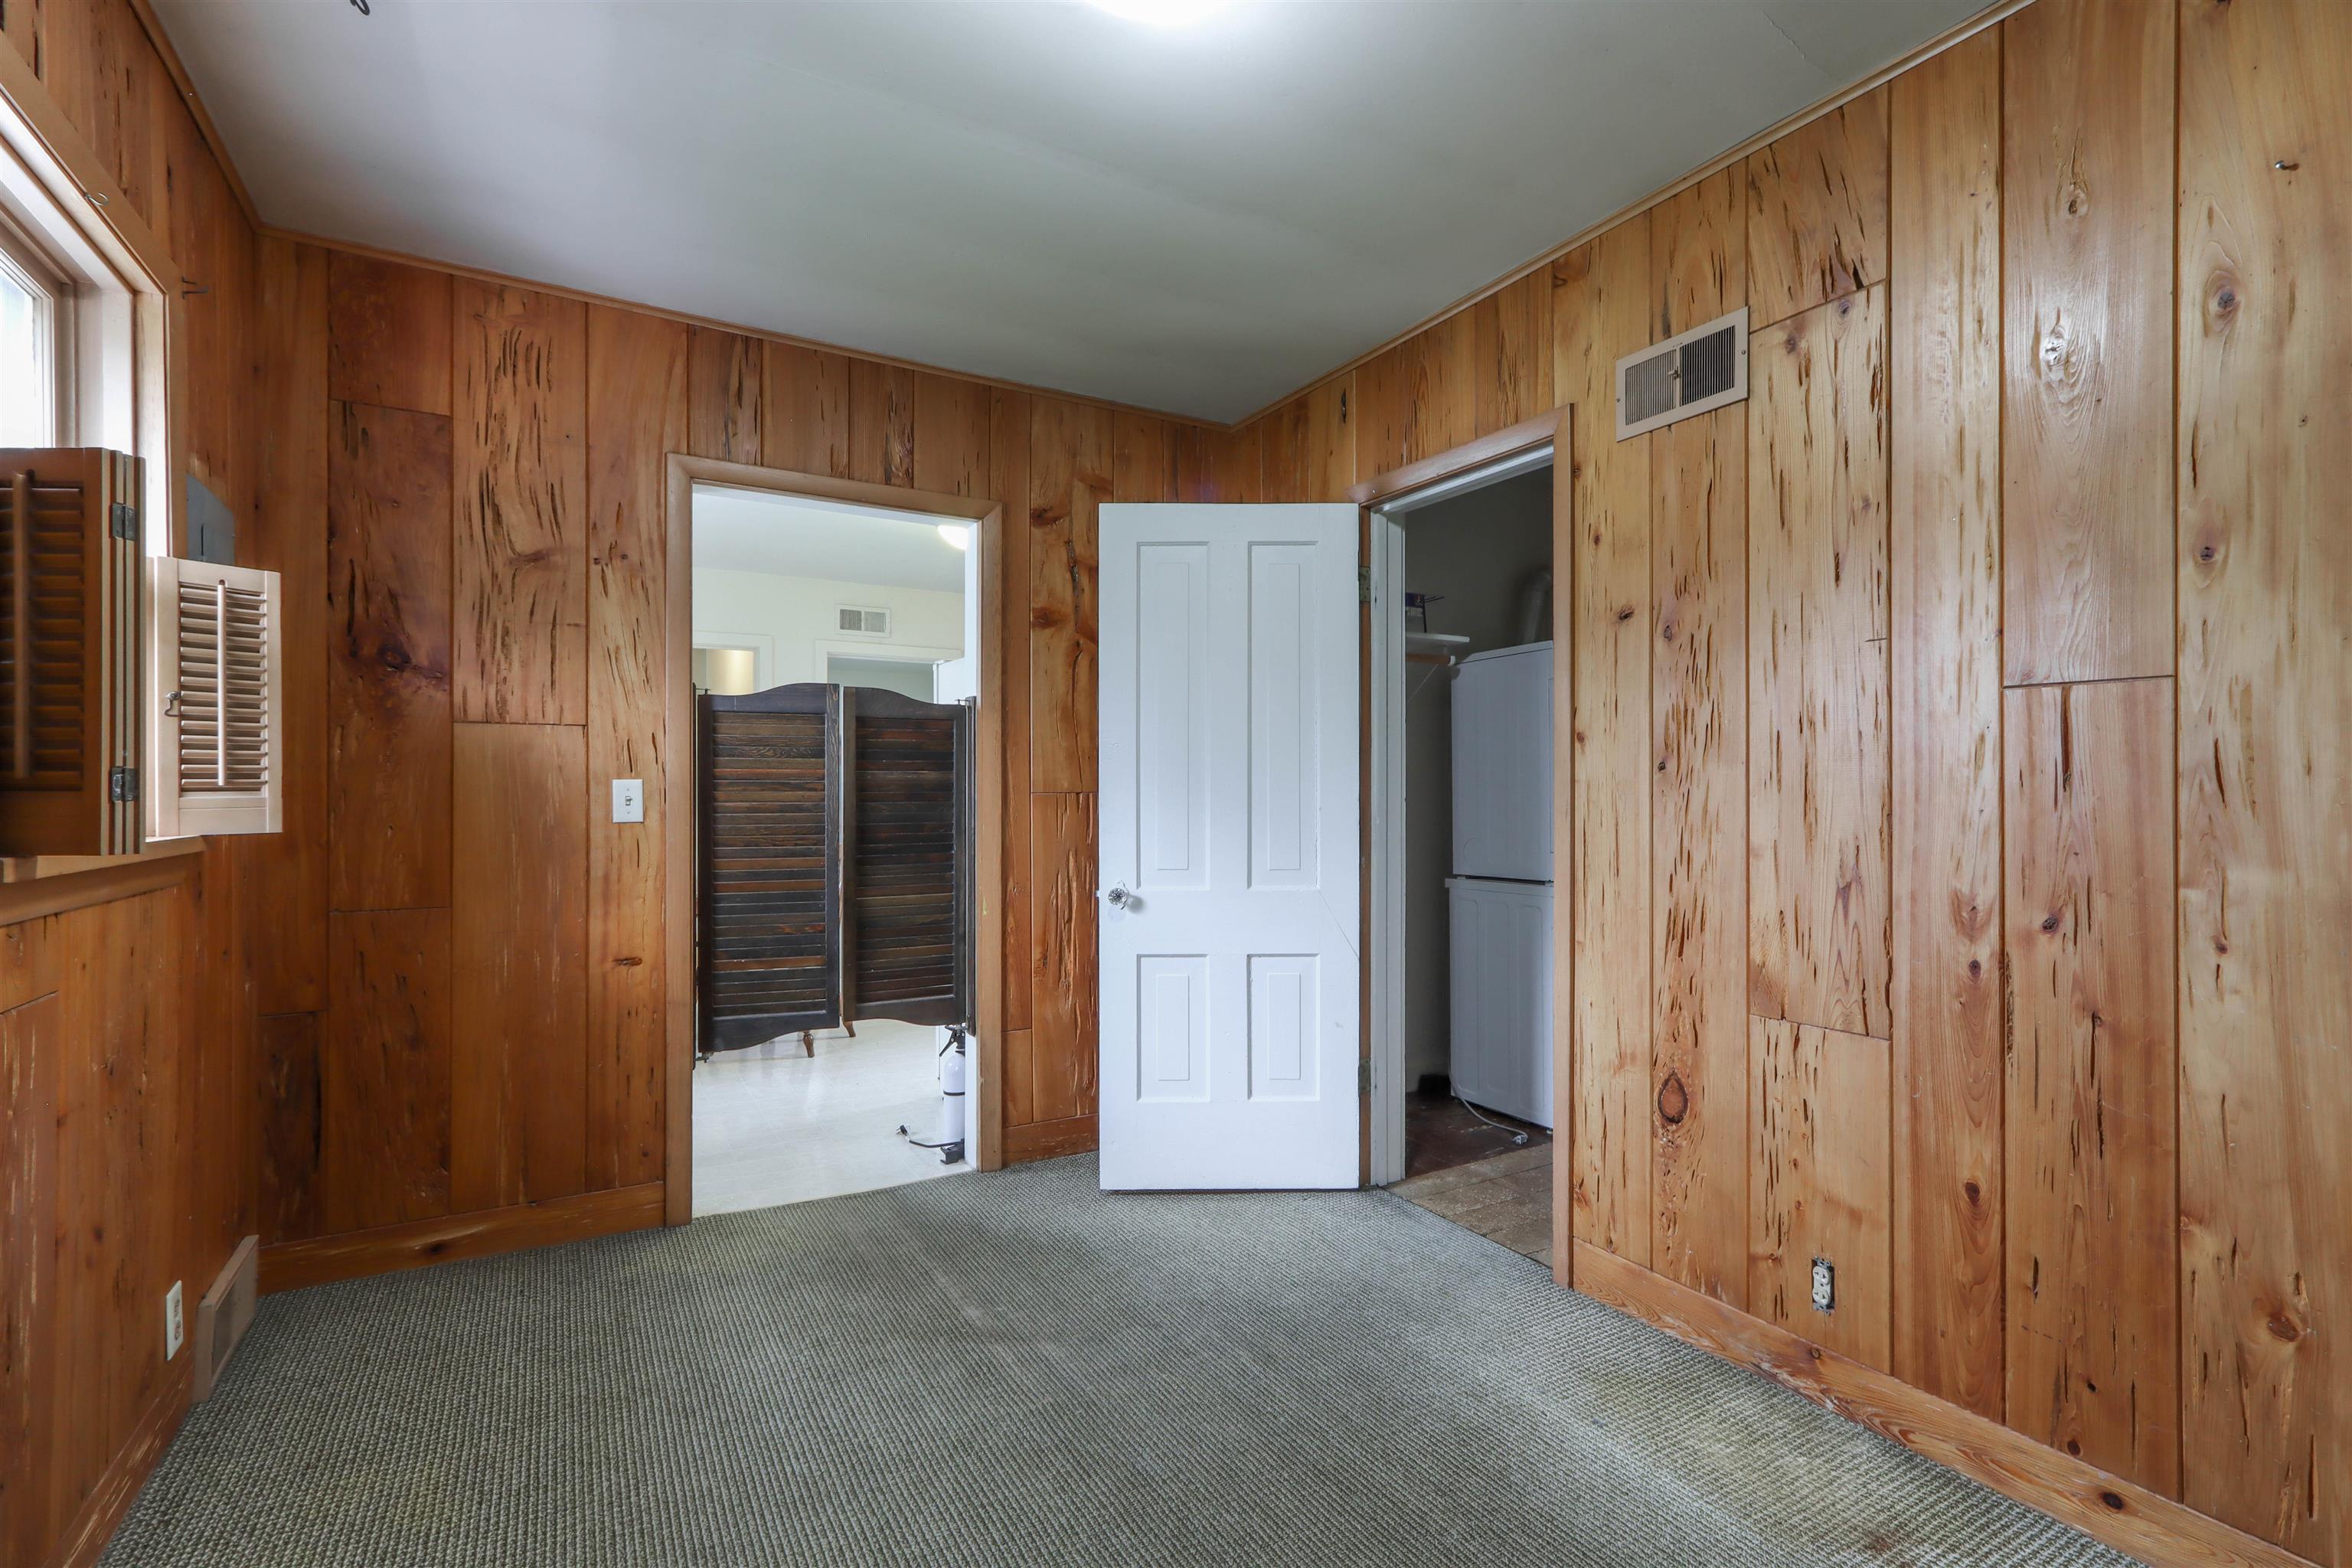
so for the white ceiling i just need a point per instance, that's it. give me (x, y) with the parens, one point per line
(750, 531)
(1198, 220)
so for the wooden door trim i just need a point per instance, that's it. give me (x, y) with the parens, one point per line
(1504, 443)
(1555, 427)
(984, 1102)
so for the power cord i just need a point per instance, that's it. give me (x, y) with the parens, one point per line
(1518, 1134)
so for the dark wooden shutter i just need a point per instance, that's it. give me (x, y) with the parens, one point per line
(770, 777)
(71, 610)
(910, 858)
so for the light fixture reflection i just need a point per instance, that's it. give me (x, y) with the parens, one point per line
(1161, 13)
(957, 533)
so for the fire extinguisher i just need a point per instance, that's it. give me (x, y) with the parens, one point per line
(949, 1142)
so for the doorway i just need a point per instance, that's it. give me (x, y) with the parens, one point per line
(1462, 673)
(832, 1028)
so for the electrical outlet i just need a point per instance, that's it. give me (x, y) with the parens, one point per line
(174, 1328)
(1824, 1285)
(628, 800)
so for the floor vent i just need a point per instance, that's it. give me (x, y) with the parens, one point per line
(1688, 373)
(224, 1314)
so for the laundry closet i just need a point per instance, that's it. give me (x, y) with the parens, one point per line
(1478, 877)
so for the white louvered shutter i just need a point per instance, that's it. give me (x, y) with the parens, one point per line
(217, 753)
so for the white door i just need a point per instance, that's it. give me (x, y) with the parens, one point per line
(1229, 847)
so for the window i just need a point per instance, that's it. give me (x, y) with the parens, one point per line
(36, 335)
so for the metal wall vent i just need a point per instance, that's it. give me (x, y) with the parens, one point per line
(1688, 373)
(864, 623)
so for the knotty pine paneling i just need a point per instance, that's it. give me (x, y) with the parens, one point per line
(1603, 311)
(519, 846)
(1310, 444)
(1070, 448)
(1944, 655)
(289, 870)
(1009, 423)
(1818, 1108)
(2092, 1071)
(881, 422)
(2087, 124)
(1817, 211)
(1817, 671)
(1698, 948)
(639, 369)
(30, 1046)
(1142, 459)
(1420, 398)
(2265, 326)
(1220, 466)
(519, 648)
(290, 1148)
(1062, 1040)
(122, 1154)
(388, 687)
(386, 1047)
(388, 328)
(1510, 354)
(804, 411)
(140, 1169)
(726, 379)
(953, 448)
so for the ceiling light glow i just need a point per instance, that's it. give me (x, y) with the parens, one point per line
(957, 533)
(1161, 13)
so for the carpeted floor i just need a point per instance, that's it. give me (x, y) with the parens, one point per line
(1014, 1370)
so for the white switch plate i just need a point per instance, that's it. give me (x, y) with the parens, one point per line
(628, 800)
(174, 1328)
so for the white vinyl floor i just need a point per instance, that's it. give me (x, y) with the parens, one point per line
(772, 1126)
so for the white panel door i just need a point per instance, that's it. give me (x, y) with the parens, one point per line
(1229, 847)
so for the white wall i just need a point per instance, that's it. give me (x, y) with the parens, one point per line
(792, 620)
(1477, 550)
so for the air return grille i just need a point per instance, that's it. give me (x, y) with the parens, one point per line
(1688, 373)
(864, 623)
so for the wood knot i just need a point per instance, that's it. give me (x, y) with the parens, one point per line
(2050, 921)
(2284, 1328)
(1626, 613)
(1674, 1101)
(1975, 1192)
(1976, 969)
(2287, 165)
(2113, 1499)
(2077, 201)
(627, 962)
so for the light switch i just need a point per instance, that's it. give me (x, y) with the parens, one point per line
(628, 800)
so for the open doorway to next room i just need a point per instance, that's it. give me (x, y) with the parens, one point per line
(1466, 690)
(831, 806)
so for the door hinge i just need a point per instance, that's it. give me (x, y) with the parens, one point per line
(1363, 584)
(1363, 1078)
(125, 521)
(122, 785)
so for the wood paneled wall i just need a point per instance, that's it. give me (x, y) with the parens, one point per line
(464, 482)
(127, 1048)
(1961, 811)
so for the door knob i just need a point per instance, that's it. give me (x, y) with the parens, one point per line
(1118, 898)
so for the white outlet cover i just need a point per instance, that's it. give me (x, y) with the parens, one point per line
(174, 1326)
(628, 800)
(1824, 1285)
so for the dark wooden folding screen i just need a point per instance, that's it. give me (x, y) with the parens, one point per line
(834, 828)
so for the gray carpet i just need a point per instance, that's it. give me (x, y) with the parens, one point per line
(1015, 1370)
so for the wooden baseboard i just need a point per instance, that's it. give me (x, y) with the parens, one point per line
(82, 1541)
(289, 1265)
(2127, 1516)
(1049, 1140)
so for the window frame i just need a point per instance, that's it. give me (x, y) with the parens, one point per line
(32, 266)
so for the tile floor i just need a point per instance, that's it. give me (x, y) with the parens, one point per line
(1506, 1198)
(774, 1126)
